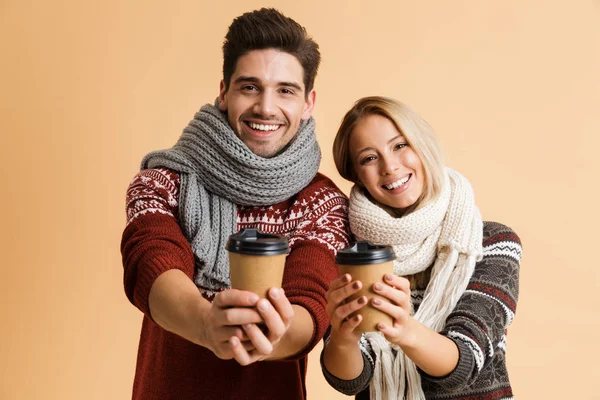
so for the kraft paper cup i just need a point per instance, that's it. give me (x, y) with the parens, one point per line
(256, 260)
(367, 263)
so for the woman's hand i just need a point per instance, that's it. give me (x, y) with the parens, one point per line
(433, 353)
(342, 327)
(397, 290)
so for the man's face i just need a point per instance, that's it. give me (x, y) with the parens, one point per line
(266, 100)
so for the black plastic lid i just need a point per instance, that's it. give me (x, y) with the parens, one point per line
(363, 252)
(252, 241)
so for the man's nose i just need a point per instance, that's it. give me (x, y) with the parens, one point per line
(265, 104)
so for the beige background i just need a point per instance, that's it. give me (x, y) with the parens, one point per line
(88, 87)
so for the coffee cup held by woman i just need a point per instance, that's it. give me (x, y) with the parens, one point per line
(455, 284)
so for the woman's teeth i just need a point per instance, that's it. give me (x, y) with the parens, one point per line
(397, 184)
(263, 127)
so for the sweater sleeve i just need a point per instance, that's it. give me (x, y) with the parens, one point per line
(152, 241)
(310, 265)
(361, 382)
(479, 322)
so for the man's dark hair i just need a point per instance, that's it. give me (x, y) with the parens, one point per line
(265, 29)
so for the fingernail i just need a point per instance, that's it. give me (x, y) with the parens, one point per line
(377, 286)
(362, 300)
(263, 305)
(356, 318)
(388, 277)
(274, 293)
(252, 298)
(247, 326)
(377, 302)
(346, 278)
(356, 285)
(381, 325)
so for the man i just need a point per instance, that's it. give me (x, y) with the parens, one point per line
(249, 161)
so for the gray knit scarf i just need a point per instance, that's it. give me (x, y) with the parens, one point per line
(218, 172)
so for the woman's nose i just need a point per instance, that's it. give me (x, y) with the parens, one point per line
(388, 165)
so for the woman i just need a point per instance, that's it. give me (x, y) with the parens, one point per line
(455, 283)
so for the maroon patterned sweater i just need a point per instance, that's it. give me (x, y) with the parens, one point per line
(170, 367)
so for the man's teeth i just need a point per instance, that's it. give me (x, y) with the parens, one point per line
(263, 127)
(398, 183)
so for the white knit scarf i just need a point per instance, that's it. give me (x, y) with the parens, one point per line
(447, 232)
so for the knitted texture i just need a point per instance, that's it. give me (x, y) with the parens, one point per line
(448, 232)
(171, 368)
(218, 172)
(477, 325)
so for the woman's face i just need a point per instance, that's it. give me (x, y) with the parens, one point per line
(385, 164)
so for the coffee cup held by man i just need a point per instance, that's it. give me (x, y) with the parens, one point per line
(248, 160)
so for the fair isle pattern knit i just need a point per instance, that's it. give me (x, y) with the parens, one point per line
(478, 325)
(152, 191)
(156, 191)
(327, 206)
(171, 368)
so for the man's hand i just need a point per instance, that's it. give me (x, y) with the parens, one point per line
(230, 310)
(277, 315)
(176, 305)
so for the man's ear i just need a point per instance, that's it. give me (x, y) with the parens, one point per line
(222, 96)
(309, 104)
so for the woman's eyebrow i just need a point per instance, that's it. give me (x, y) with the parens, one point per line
(400, 136)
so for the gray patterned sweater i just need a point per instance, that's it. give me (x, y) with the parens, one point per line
(477, 325)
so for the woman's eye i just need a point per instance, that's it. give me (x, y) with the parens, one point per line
(400, 146)
(366, 160)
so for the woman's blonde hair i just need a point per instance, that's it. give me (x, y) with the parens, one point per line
(417, 132)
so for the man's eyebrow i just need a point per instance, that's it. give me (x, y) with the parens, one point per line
(291, 84)
(253, 79)
(246, 79)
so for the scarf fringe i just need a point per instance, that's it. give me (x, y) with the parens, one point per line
(446, 232)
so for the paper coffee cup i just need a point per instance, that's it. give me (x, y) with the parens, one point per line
(367, 263)
(256, 260)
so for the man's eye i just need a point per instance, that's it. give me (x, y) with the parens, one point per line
(287, 91)
(249, 87)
